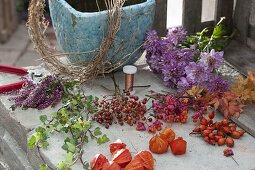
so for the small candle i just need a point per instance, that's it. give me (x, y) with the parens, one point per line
(129, 71)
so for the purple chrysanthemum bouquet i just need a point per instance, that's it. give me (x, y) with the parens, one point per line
(179, 66)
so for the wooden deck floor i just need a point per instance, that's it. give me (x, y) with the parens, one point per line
(243, 59)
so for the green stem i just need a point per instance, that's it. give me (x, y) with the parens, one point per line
(116, 86)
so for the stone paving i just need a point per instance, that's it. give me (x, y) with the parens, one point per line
(19, 51)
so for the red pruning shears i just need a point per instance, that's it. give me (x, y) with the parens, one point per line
(13, 70)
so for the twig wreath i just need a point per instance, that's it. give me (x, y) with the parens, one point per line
(86, 70)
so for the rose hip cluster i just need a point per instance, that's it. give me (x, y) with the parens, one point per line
(128, 109)
(217, 132)
(170, 108)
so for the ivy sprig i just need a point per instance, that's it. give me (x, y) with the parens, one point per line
(73, 118)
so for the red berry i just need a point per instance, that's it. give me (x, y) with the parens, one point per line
(211, 115)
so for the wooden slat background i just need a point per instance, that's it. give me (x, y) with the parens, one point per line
(8, 19)
(191, 15)
(241, 19)
(160, 17)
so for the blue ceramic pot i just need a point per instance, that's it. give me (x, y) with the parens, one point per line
(83, 31)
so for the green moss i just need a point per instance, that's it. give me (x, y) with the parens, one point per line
(91, 5)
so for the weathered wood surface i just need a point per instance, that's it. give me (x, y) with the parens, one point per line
(243, 59)
(247, 120)
(224, 8)
(240, 56)
(241, 19)
(251, 39)
(251, 43)
(191, 15)
(160, 17)
(8, 19)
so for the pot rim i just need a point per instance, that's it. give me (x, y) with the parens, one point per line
(86, 14)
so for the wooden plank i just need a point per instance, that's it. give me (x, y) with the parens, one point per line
(14, 15)
(224, 8)
(246, 120)
(251, 43)
(8, 19)
(240, 56)
(1, 22)
(252, 31)
(160, 17)
(207, 24)
(252, 13)
(191, 15)
(241, 19)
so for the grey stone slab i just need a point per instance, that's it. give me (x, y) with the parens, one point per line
(8, 57)
(29, 58)
(199, 155)
(12, 154)
(19, 122)
(2, 130)
(18, 41)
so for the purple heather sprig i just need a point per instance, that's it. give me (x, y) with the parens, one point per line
(48, 92)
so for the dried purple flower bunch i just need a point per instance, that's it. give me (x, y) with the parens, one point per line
(40, 95)
(179, 66)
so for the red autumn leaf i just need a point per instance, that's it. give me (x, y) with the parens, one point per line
(118, 144)
(215, 102)
(122, 157)
(135, 165)
(111, 166)
(178, 146)
(98, 161)
(146, 158)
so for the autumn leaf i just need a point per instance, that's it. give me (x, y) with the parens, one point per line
(195, 91)
(215, 102)
(230, 105)
(244, 88)
(251, 75)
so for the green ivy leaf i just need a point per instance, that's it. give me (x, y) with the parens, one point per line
(65, 147)
(69, 157)
(43, 167)
(32, 142)
(54, 114)
(44, 144)
(103, 139)
(59, 127)
(86, 139)
(61, 165)
(71, 147)
(86, 166)
(97, 131)
(89, 99)
(43, 118)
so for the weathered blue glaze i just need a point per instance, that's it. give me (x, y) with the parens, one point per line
(83, 31)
